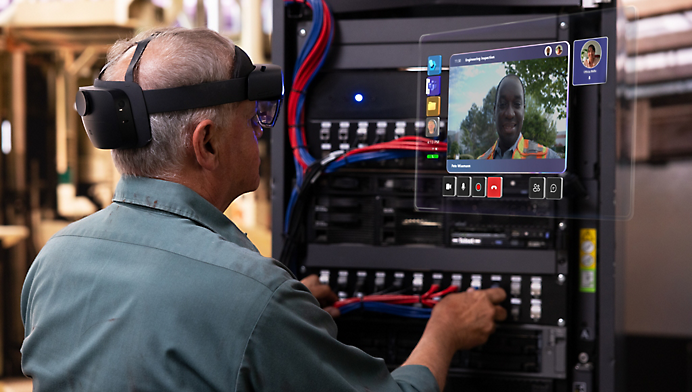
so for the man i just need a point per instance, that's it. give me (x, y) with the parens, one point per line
(509, 119)
(161, 292)
(591, 60)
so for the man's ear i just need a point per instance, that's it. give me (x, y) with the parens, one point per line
(204, 142)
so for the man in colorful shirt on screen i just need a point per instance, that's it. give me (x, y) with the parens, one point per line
(510, 103)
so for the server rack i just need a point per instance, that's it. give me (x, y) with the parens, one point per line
(361, 230)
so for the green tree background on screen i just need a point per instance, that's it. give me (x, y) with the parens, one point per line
(545, 80)
(454, 149)
(478, 128)
(537, 126)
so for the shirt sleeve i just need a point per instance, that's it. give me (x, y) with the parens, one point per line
(293, 348)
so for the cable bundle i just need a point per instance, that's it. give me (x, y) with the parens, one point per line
(308, 169)
(404, 147)
(292, 229)
(309, 61)
(395, 303)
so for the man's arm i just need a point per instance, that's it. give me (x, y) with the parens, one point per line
(459, 322)
(323, 293)
(293, 347)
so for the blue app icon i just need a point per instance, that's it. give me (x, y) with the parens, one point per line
(432, 85)
(434, 65)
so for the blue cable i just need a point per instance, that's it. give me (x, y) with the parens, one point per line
(305, 155)
(369, 156)
(294, 195)
(289, 209)
(299, 172)
(314, 34)
(349, 308)
(317, 24)
(397, 310)
(326, 50)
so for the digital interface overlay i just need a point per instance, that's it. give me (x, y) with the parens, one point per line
(507, 110)
(514, 131)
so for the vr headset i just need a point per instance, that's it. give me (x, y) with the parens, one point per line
(116, 114)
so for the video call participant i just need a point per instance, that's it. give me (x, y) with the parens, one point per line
(591, 60)
(161, 292)
(432, 128)
(509, 119)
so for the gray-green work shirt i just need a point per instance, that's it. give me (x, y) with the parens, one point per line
(161, 292)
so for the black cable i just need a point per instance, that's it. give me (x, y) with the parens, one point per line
(295, 233)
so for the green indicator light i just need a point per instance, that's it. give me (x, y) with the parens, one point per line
(433, 156)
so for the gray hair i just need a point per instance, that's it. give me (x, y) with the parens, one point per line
(175, 57)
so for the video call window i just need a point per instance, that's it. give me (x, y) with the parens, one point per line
(508, 110)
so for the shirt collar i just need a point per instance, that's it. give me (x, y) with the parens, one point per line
(511, 150)
(180, 200)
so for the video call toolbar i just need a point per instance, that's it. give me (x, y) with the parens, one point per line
(549, 188)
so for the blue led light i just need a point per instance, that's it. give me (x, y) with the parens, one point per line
(358, 97)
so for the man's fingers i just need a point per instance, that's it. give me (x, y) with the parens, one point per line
(310, 280)
(334, 312)
(324, 294)
(492, 331)
(496, 295)
(500, 313)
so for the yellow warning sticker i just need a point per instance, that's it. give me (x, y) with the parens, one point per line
(587, 260)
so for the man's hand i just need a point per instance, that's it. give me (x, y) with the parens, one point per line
(458, 322)
(468, 318)
(324, 294)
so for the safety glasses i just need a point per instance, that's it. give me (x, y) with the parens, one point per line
(267, 112)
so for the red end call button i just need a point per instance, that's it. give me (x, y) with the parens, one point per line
(495, 187)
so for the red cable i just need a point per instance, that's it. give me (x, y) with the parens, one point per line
(387, 298)
(302, 76)
(404, 143)
(432, 290)
(401, 299)
(315, 56)
(402, 146)
(429, 302)
(345, 302)
(450, 289)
